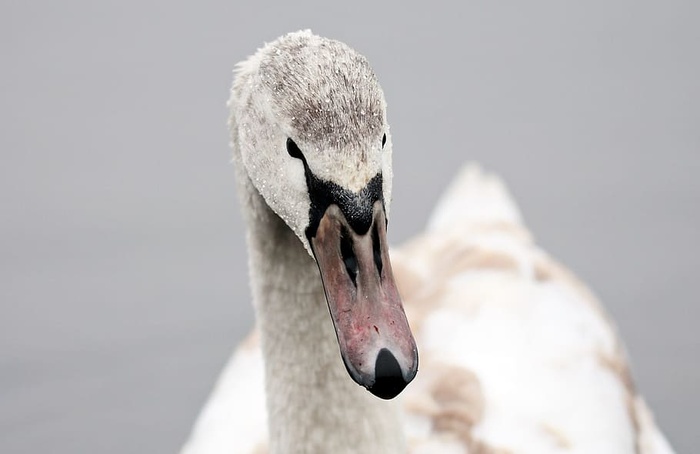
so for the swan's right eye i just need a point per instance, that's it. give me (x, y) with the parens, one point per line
(293, 149)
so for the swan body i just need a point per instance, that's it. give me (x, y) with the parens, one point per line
(516, 355)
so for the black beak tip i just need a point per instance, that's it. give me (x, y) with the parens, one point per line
(388, 378)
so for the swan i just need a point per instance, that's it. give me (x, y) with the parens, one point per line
(516, 355)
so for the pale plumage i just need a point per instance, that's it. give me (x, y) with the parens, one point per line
(516, 354)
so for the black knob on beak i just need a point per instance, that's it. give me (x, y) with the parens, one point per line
(388, 378)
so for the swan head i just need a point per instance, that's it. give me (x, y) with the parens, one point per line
(308, 126)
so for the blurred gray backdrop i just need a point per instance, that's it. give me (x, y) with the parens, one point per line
(123, 280)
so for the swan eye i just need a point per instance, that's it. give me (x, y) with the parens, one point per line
(294, 150)
(383, 140)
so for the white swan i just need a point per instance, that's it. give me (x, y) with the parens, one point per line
(516, 355)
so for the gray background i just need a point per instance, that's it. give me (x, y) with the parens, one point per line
(123, 281)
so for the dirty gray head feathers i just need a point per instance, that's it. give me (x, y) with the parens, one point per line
(325, 97)
(326, 91)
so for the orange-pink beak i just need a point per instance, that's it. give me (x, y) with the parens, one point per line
(375, 340)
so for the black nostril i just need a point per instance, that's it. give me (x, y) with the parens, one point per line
(377, 249)
(349, 258)
(388, 379)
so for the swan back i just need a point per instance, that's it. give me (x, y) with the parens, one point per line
(517, 354)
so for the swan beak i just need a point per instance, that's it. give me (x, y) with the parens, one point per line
(375, 340)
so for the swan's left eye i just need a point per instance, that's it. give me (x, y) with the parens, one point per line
(383, 140)
(294, 150)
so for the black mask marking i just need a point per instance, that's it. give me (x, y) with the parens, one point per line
(356, 207)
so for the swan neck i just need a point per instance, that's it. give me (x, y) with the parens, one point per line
(313, 405)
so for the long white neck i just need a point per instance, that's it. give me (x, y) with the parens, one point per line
(313, 404)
